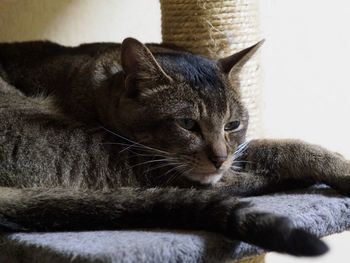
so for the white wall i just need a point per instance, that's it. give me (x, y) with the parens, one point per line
(306, 63)
(307, 83)
(72, 22)
(306, 56)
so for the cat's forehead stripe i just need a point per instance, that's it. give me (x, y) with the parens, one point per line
(202, 77)
(198, 72)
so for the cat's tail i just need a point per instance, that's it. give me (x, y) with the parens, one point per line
(66, 209)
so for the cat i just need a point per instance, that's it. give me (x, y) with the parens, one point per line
(112, 136)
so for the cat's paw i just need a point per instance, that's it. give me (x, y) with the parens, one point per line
(272, 232)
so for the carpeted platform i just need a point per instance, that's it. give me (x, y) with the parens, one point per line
(320, 211)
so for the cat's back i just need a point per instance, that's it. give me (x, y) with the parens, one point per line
(37, 67)
(30, 50)
(36, 50)
(18, 57)
(19, 61)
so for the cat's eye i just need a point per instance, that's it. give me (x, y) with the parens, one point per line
(188, 124)
(232, 126)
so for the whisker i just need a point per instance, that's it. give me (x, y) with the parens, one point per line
(159, 166)
(174, 168)
(158, 155)
(145, 152)
(127, 148)
(242, 162)
(173, 177)
(167, 164)
(137, 143)
(183, 170)
(134, 145)
(149, 162)
(240, 172)
(240, 149)
(166, 158)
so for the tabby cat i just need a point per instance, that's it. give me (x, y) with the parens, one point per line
(112, 136)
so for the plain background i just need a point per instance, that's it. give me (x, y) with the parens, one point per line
(305, 62)
(306, 83)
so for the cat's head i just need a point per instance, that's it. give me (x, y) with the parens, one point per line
(184, 105)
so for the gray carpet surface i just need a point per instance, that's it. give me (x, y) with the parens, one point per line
(320, 211)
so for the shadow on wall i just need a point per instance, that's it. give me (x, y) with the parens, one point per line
(71, 22)
(29, 20)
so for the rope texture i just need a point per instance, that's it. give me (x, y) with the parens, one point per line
(215, 29)
(256, 259)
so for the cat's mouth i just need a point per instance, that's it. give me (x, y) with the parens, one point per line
(206, 177)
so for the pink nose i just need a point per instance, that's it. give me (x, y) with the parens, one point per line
(218, 160)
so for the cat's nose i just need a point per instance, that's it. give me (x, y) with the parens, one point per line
(218, 160)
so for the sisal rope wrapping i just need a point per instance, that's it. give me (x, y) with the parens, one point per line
(215, 29)
(255, 259)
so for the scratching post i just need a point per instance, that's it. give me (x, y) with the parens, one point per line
(215, 29)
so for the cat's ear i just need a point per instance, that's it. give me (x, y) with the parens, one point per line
(235, 62)
(140, 67)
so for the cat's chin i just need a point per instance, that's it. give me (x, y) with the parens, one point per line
(205, 178)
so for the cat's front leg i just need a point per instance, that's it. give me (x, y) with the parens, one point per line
(295, 159)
